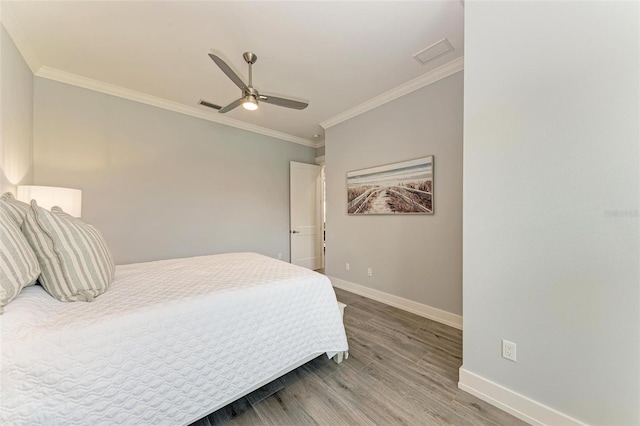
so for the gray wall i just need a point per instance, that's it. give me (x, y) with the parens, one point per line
(418, 257)
(550, 153)
(159, 184)
(16, 92)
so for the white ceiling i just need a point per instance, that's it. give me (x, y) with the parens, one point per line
(336, 55)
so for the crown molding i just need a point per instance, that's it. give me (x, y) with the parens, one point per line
(121, 92)
(17, 34)
(426, 79)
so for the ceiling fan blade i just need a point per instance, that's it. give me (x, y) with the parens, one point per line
(209, 104)
(287, 103)
(231, 106)
(228, 71)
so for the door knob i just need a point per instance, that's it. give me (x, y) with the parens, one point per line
(295, 232)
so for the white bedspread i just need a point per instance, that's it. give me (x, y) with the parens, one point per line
(167, 343)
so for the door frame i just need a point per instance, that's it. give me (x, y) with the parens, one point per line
(323, 204)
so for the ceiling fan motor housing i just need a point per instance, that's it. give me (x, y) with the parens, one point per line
(250, 91)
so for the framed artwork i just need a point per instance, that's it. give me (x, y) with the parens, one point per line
(399, 188)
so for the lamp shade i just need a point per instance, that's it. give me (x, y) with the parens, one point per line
(68, 199)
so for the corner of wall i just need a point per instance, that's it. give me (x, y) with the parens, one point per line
(16, 116)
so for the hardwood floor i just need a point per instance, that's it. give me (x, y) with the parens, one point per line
(402, 370)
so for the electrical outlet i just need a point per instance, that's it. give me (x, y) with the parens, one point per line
(347, 267)
(509, 350)
(279, 256)
(369, 272)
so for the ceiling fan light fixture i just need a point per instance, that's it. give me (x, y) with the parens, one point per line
(250, 103)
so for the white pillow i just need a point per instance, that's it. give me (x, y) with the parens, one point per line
(16, 209)
(75, 261)
(18, 264)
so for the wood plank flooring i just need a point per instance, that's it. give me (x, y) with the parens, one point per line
(402, 370)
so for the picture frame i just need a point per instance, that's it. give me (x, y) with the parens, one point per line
(401, 188)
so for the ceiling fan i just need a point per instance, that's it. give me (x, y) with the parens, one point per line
(250, 96)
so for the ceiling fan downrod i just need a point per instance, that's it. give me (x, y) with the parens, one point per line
(251, 59)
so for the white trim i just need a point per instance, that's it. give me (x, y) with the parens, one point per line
(320, 160)
(426, 79)
(121, 92)
(17, 34)
(426, 311)
(518, 405)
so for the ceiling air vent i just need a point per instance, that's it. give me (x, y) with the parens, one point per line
(434, 51)
(209, 104)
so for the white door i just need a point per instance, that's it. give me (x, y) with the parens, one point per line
(306, 215)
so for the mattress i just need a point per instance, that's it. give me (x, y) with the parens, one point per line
(169, 342)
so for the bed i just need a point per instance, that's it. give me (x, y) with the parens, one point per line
(170, 342)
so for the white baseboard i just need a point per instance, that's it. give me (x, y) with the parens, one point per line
(426, 311)
(518, 405)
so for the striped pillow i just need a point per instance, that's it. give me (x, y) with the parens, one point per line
(75, 261)
(18, 264)
(16, 209)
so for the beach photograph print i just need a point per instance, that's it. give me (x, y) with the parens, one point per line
(399, 188)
